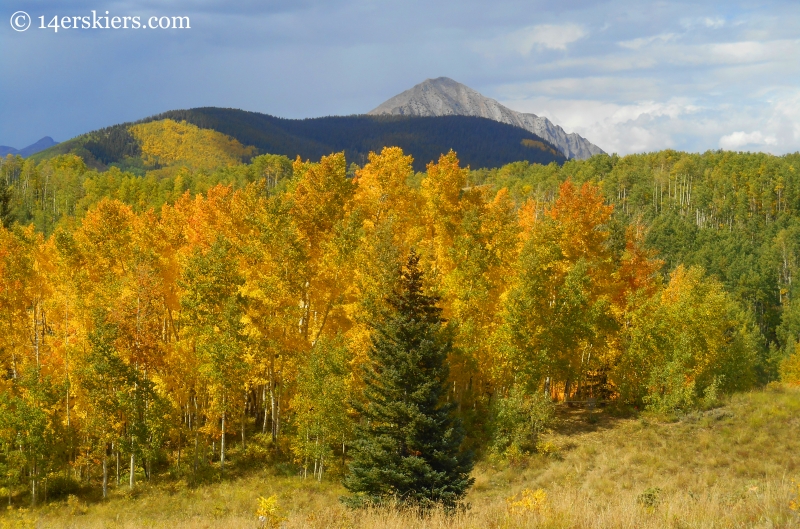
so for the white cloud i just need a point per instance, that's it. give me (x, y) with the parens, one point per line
(636, 44)
(737, 140)
(679, 122)
(621, 128)
(555, 37)
(524, 41)
(708, 22)
(714, 23)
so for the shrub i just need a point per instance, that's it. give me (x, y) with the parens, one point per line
(528, 502)
(790, 368)
(649, 498)
(687, 346)
(268, 513)
(517, 421)
(59, 487)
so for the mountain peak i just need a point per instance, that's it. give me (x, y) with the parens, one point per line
(443, 96)
(40, 145)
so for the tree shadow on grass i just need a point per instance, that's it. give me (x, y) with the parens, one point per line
(572, 419)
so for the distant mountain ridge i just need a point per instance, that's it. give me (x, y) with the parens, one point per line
(42, 144)
(479, 142)
(445, 97)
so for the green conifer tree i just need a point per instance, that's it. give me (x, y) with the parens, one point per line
(6, 207)
(409, 444)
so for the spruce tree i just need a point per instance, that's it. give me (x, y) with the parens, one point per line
(408, 448)
(6, 208)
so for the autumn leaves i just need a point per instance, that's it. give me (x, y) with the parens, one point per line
(135, 336)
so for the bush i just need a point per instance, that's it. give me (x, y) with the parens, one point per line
(60, 487)
(790, 368)
(269, 513)
(687, 346)
(517, 421)
(650, 498)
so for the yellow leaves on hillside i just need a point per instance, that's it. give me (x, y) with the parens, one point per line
(382, 192)
(18, 281)
(583, 213)
(167, 143)
(235, 306)
(534, 144)
(319, 196)
(445, 204)
(639, 266)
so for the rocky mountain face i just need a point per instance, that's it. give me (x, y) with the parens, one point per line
(445, 97)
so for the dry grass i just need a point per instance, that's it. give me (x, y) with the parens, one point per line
(725, 468)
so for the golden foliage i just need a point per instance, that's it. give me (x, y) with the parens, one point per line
(268, 513)
(790, 368)
(534, 144)
(168, 142)
(528, 502)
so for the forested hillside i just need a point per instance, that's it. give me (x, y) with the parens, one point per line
(480, 142)
(737, 215)
(148, 322)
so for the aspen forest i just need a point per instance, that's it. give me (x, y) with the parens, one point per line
(204, 307)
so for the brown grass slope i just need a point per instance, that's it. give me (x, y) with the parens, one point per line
(729, 467)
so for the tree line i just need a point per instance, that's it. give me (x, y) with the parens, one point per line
(135, 339)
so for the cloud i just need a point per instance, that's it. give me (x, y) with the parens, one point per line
(710, 22)
(554, 37)
(639, 43)
(621, 128)
(523, 41)
(737, 140)
(679, 123)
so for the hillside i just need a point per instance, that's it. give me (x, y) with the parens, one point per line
(479, 142)
(154, 321)
(734, 214)
(731, 466)
(444, 97)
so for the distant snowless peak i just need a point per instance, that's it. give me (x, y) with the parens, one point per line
(40, 145)
(445, 97)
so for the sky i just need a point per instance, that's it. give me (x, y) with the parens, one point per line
(629, 75)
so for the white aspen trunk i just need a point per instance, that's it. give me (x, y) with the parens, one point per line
(196, 433)
(222, 444)
(132, 480)
(244, 419)
(266, 408)
(273, 402)
(305, 461)
(277, 415)
(105, 476)
(66, 357)
(36, 332)
(33, 485)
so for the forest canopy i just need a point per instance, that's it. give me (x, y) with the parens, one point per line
(141, 315)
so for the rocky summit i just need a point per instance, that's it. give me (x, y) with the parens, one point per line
(445, 97)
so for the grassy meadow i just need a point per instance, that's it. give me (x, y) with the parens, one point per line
(727, 467)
